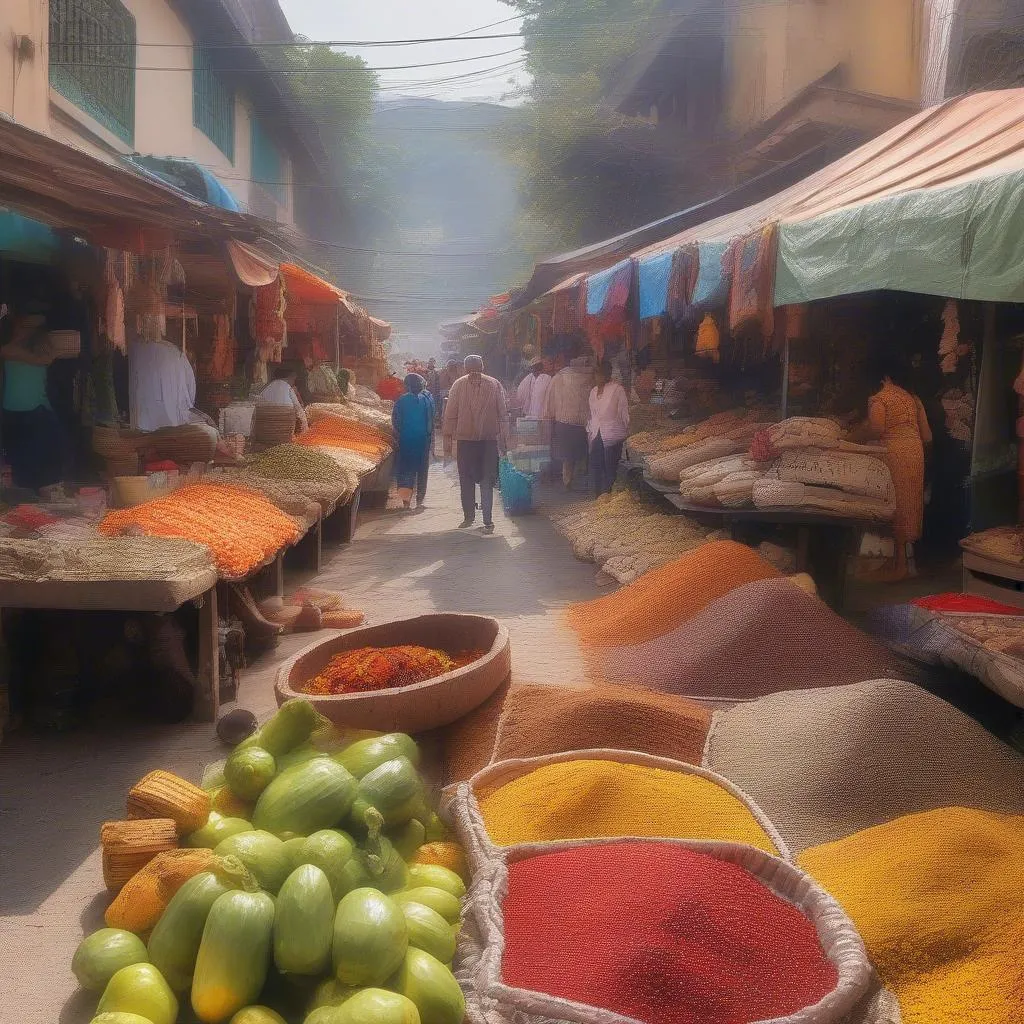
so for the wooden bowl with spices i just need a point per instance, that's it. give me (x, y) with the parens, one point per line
(475, 646)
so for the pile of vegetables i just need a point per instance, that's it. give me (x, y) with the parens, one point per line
(327, 894)
(367, 669)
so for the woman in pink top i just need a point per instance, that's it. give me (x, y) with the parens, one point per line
(606, 429)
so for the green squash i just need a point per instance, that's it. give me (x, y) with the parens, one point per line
(213, 776)
(388, 872)
(120, 1018)
(378, 1006)
(429, 931)
(300, 755)
(331, 850)
(234, 955)
(262, 853)
(293, 851)
(140, 989)
(395, 790)
(174, 943)
(103, 953)
(324, 1015)
(290, 726)
(370, 938)
(216, 830)
(257, 1015)
(437, 830)
(408, 838)
(437, 877)
(331, 992)
(431, 987)
(309, 797)
(363, 756)
(439, 900)
(249, 770)
(304, 922)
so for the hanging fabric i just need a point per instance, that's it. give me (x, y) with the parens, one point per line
(608, 322)
(708, 340)
(269, 327)
(654, 273)
(683, 282)
(714, 275)
(750, 298)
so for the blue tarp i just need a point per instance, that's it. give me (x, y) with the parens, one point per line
(712, 288)
(27, 239)
(190, 178)
(598, 286)
(654, 273)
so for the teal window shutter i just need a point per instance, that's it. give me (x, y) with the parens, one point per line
(267, 165)
(213, 103)
(92, 61)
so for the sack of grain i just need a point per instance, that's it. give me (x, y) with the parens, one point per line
(789, 494)
(855, 474)
(669, 467)
(737, 489)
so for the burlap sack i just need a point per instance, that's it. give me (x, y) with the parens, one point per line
(858, 997)
(462, 797)
(539, 720)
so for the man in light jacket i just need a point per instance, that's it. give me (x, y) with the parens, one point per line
(476, 417)
(567, 408)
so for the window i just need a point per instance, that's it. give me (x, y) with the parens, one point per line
(267, 165)
(213, 104)
(92, 61)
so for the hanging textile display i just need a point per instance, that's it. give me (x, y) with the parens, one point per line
(654, 274)
(607, 300)
(714, 275)
(683, 282)
(112, 304)
(750, 299)
(949, 345)
(268, 321)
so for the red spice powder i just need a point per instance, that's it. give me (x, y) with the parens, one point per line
(966, 603)
(659, 933)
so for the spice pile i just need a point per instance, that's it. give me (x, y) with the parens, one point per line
(624, 536)
(759, 638)
(355, 437)
(946, 936)
(606, 799)
(666, 597)
(356, 412)
(240, 527)
(661, 934)
(367, 669)
(298, 462)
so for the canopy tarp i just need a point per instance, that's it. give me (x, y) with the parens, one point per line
(26, 239)
(305, 286)
(935, 205)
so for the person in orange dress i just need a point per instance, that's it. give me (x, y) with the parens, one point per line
(896, 419)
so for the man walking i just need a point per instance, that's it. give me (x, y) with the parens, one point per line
(476, 418)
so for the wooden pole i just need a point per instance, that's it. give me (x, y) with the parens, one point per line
(785, 379)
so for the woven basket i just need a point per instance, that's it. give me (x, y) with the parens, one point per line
(272, 425)
(183, 445)
(115, 445)
(462, 797)
(128, 846)
(858, 997)
(163, 795)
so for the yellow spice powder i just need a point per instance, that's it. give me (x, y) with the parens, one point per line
(936, 898)
(594, 799)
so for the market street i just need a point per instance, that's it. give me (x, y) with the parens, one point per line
(56, 790)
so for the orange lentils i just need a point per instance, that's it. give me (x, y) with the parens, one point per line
(333, 432)
(239, 526)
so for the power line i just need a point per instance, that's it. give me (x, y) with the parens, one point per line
(297, 71)
(362, 44)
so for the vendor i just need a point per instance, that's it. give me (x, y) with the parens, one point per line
(532, 390)
(162, 383)
(281, 391)
(896, 419)
(32, 435)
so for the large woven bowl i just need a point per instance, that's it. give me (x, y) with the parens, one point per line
(421, 706)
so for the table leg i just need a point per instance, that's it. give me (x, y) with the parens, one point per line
(207, 705)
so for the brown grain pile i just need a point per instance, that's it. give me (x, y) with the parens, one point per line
(539, 720)
(827, 763)
(467, 744)
(665, 598)
(758, 639)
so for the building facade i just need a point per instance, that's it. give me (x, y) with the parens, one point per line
(154, 78)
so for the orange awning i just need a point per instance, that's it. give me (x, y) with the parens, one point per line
(304, 286)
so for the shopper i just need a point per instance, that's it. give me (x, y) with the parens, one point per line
(413, 420)
(476, 419)
(281, 392)
(606, 429)
(532, 390)
(567, 409)
(31, 433)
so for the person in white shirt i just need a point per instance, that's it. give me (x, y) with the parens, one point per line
(162, 386)
(606, 429)
(532, 391)
(281, 391)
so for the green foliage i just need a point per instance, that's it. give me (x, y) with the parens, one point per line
(571, 194)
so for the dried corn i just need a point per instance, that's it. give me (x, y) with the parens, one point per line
(163, 795)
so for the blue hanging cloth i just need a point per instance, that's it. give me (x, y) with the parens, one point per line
(712, 286)
(598, 287)
(655, 273)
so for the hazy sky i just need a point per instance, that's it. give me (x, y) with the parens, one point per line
(417, 19)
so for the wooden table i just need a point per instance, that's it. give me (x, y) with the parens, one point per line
(993, 578)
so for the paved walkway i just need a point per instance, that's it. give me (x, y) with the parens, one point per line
(55, 791)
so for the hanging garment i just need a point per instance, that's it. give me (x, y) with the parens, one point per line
(269, 327)
(714, 275)
(751, 296)
(608, 323)
(708, 340)
(683, 282)
(655, 274)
